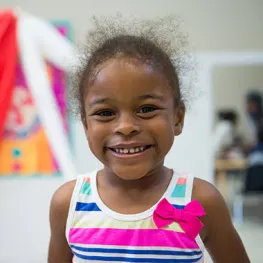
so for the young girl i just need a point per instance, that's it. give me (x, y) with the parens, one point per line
(135, 209)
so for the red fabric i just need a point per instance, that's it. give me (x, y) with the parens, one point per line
(8, 60)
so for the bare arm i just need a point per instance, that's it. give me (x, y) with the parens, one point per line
(59, 250)
(219, 235)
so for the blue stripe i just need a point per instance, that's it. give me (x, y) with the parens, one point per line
(179, 206)
(93, 207)
(137, 251)
(142, 260)
(87, 207)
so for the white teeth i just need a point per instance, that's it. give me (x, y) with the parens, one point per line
(130, 150)
(126, 150)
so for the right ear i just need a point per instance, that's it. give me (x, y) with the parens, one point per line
(179, 119)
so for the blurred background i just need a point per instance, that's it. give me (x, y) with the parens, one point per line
(41, 146)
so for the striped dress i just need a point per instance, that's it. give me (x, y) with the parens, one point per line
(95, 233)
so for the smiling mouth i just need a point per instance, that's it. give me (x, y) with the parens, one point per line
(130, 151)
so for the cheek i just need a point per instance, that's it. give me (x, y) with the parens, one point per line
(163, 130)
(97, 134)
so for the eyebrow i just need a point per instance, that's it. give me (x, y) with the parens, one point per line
(151, 96)
(141, 97)
(98, 101)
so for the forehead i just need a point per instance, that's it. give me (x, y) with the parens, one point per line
(125, 79)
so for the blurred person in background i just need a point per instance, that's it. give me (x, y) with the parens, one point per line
(225, 134)
(255, 114)
(254, 177)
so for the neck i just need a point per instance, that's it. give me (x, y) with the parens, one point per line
(154, 177)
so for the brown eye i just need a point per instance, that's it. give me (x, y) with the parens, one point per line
(105, 113)
(147, 109)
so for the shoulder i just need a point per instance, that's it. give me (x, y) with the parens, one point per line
(63, 193)
(205, 192)
(209, 197)
(60, 201)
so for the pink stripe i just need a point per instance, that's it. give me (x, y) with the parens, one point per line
(131, 237)
(181, 180)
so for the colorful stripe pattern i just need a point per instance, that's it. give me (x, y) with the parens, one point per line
(95, 236)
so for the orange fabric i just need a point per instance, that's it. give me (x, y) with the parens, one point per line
(8, 60)
(35, 157)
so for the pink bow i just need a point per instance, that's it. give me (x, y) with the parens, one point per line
(165, 214)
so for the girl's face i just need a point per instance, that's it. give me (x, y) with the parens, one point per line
(131, 119)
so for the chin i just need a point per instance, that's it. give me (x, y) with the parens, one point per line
(130, 173)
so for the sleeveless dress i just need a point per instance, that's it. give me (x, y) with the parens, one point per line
(96, 233)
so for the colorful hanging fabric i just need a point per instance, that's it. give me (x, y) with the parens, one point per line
(8, 60)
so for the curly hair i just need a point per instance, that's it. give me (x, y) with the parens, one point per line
(159, 43)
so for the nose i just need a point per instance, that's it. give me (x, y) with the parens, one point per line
(127, 125)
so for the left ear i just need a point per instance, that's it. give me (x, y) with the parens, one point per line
(179, 119)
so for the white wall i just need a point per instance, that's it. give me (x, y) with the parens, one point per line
(24, 224)
(231, 84)
(212, 25)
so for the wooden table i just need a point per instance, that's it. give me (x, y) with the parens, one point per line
(222, 167)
